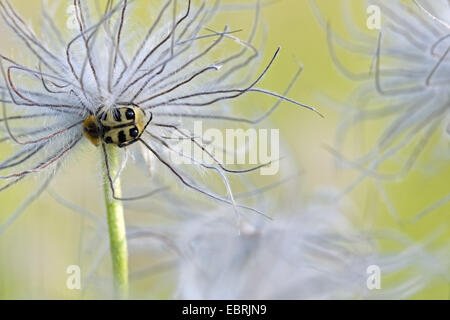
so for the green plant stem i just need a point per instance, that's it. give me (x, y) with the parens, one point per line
(116, 226)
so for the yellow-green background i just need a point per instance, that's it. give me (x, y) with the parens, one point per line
(36, 250)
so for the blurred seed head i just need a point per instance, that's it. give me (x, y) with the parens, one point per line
(407, 82)
(316, 253)
(401, 103)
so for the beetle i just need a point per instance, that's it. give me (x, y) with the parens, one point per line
(119, 125)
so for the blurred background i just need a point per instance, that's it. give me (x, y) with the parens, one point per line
(37, 248)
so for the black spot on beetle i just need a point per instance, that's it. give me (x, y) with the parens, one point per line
(130, 114)
(122, 137)
(108, 140)
(134, 132)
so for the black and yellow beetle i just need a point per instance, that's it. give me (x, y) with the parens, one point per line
(120, 125)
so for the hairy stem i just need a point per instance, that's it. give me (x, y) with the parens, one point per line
(116, 226)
